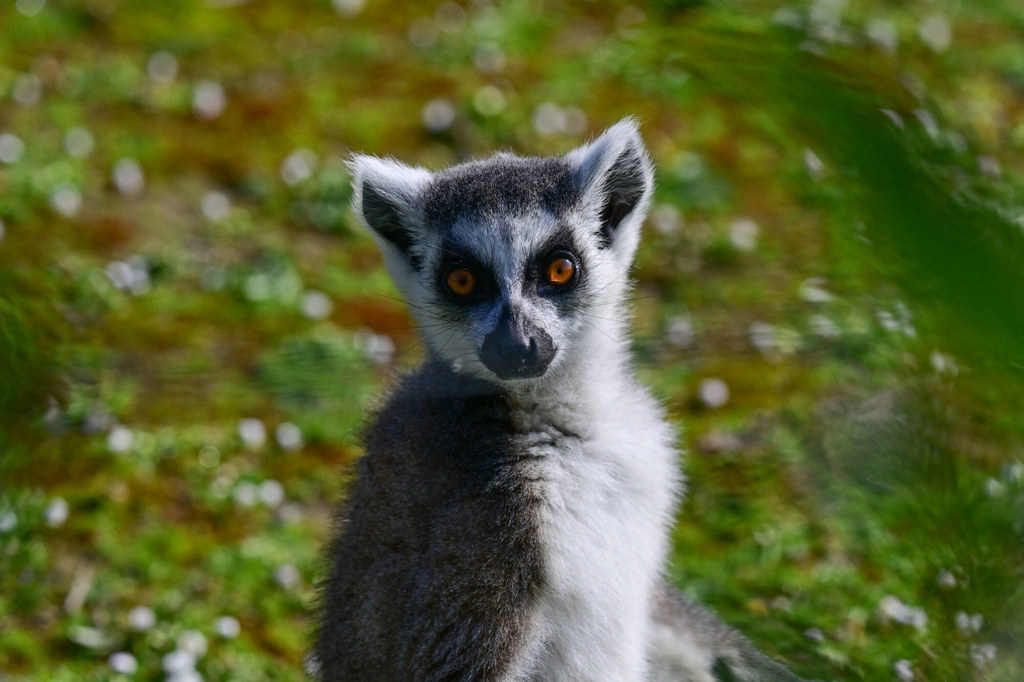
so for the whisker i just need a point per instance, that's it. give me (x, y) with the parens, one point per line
(598, 317)
(618, 301)
(429, 311)
(609, 283)
(596, 327)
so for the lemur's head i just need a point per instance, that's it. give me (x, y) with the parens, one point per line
(513, 265)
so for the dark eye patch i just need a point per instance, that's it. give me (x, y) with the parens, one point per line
(558, 271)
(559, 245)
(454, 259)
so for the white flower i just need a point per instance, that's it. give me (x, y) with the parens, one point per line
(983, 654)
(287, 576)
(743, 234)
(666, 219)
(815, 166)
(824, 327)
(946, 580)
(882, 33)
(271, 493)
(348, 8)
(316, 305)
(1013, 471)
(141, 618)
(162, 66)
(78, 142)
(896, 119)
(185, 676)
(489, 100)
(209, 456)
(928, 122)
(762, 336)
(813, 290)
(438, 115)
(246, 493)
(298, 166)
(252, 432)
(680, 331)
(969, 624)
(193, 642)
(8, 521)
(30, 8)
(227, 627)
(120, 439)
(713, 393)
(66, 200)
(178, 661)
(128, 177)
(28, 89)
(549, 119)
(943, 364)
(379, 348)
(904, 670)
(994, 487)
(123, 662)
(216, 206)
(131, 275)
(56, 513)
(936, 32)
(11, 148)
(289, 436)
(488, 58)
(892, 608)
(814, 634)
(208, 100)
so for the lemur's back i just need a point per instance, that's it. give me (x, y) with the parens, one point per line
(437, 557)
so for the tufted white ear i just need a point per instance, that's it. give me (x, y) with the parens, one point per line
(615, 177)
(386, 197)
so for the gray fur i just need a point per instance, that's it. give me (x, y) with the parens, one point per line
(509, 520)
(730, 657)
(436, 560)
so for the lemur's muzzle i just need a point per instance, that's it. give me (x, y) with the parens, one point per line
(516, 348)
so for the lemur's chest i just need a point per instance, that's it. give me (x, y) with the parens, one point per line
(610, 481)
(606, 496)
(604, 505)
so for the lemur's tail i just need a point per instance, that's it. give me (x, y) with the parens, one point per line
(690, 644)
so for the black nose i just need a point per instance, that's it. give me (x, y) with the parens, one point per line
(516, 348)
(520, 350)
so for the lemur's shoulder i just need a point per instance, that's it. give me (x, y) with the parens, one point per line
(433, 419)
(437, 558)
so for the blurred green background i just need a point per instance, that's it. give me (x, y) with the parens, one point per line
(192, 326)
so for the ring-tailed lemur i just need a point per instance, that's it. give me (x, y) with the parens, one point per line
(509, 520)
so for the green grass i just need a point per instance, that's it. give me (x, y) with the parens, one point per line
(869, 455)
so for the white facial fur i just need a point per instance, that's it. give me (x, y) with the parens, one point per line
(503, 211)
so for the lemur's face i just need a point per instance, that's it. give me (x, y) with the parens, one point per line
(510, 263)
(509, 293)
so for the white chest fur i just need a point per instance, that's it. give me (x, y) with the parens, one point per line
(608, 482)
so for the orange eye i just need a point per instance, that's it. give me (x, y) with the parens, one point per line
(462, 282)
(560, 271)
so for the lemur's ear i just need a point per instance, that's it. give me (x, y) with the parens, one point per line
(614, 175)
(385, 195)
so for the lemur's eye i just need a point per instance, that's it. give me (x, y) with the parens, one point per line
(559, 271)
(462, 282)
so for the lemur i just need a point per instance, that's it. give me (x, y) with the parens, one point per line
(510, 517)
